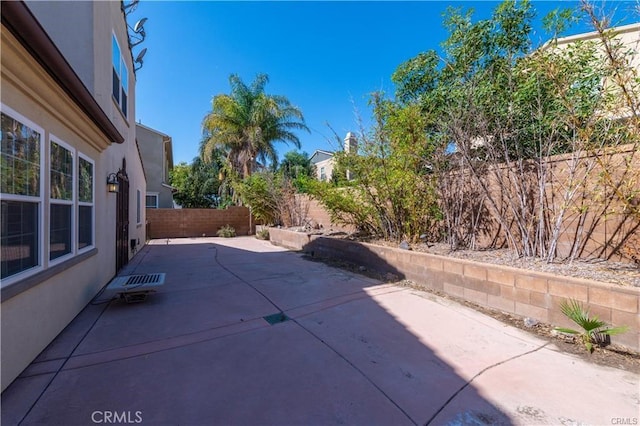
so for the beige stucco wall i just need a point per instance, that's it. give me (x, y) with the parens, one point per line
(79, 15)
(628, 35)
(31, 319)
(328, 168)
(103, 28)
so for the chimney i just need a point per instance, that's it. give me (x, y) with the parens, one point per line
(350, 143)
(350, 147)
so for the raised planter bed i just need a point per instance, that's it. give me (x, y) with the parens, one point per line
(517, 291)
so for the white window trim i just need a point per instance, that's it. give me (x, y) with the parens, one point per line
(72, 202)
(40, 199)
(157, 195)
(84, 203)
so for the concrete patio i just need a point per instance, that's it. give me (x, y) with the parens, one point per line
(351, 351)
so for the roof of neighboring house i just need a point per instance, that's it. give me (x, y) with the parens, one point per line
(152, 130)
(320, 155)
(19, 20)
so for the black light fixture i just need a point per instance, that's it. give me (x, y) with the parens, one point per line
(112, 182)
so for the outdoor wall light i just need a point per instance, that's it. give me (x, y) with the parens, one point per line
(112, 182)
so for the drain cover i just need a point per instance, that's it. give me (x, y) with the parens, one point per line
(127, 283)
(134, 288)
(276, 318)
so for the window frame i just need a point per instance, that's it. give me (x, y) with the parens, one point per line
(152, 194)
(73, 202)
(92, 204)
(121, 101)
(39, 200)
(138, 207)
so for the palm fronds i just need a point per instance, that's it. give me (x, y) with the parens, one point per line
(593, 328)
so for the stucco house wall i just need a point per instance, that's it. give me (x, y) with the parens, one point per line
(324, 169)
(625, 41)
(38, 302)
(157, 158)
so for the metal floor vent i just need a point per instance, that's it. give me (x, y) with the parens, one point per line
(134, 288)
(144, 279)
(276, 318)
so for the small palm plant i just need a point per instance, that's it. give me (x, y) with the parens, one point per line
(593, 328)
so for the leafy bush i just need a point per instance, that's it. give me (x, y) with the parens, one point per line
(226, 231)
(593, 329)
(390, 192)
(272, 198)
(263, 234)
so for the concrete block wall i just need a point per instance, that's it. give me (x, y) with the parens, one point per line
(184, 223)
(517, 291)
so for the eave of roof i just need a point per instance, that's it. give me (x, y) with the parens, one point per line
(320, 151)
(19, 20)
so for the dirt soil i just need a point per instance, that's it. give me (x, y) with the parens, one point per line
(610, 355)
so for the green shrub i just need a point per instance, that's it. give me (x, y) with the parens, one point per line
(386, 189)
(226, 231)
(263, 234)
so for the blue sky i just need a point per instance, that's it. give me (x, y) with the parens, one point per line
(326, 57)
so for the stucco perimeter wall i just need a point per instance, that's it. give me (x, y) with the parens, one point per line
(184, 223)
(516, 291)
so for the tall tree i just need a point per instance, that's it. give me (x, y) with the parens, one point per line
(247, 122)
(197, 184)
(296, 164)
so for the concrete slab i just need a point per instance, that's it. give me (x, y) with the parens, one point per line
(354, 351)
(551, 388)
(171, 313)
(277, 375)
(25, 391)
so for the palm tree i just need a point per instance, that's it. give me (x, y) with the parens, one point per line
(247, 122)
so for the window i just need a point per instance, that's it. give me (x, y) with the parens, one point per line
(323, 175)
(85, 202)
(61, 200)
(138, 207)
(120, 84)
(115, 62)
(20, 184)
(151, 201)
(70, 194)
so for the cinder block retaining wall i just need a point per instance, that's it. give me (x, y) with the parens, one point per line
(522, 292)
(184, 223)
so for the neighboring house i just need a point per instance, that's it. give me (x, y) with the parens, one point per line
(628, 36)
(68, 124)
(157, 159)
(324, 161)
